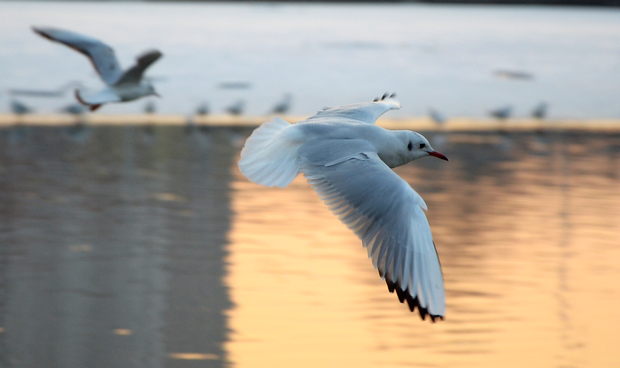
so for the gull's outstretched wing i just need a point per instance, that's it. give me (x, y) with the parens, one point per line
(134, 74)
(364, 112)
(385, 213)
(101, 55)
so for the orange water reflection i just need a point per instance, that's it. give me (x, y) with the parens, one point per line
(527, 229)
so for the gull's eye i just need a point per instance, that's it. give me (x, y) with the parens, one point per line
(410, 146)
(422, 145)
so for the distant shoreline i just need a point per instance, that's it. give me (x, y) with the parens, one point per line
(456, 124)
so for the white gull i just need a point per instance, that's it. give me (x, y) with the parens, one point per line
(120, 85)
(347, 159)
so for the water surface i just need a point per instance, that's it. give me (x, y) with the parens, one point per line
(145, 247)
(441, 56)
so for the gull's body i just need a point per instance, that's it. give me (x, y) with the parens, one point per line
(347, 160)
(121, 85)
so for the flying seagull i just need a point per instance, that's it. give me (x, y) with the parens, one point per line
(121, 85)
(347, 160)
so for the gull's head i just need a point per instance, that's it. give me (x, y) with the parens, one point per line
(417, 146)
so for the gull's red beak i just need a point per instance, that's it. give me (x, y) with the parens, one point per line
(438, 155)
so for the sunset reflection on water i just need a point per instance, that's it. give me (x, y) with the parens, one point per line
(134, 247)
(527, 231)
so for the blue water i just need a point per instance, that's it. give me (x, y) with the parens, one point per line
(440, 56)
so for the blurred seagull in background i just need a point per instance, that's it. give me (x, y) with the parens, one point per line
(501, 113)
(78, 131)
(121, 85)
(540, 111)
(202, 109)
(73, 109)
(436, 116)
(20, 108)
(237, 108)
(18, 132)
(347, 160)
(283, 106)
(150, 108)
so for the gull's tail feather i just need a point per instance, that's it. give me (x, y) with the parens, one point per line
(270, 155)
(91, 107)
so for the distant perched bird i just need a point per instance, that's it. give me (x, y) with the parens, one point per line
(78, 131)
(150, 108)
(283, 106)
(347, 160)
(19, 108)
(18, 132)
(120, 85)
(540, 111)
(237, 108)
(73, 109)
(437, 117)
(203, 109)
(501, 113)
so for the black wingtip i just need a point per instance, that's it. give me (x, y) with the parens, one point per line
(385, 96)
(41, 33)
(412, 302)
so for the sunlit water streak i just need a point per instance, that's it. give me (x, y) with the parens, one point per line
(147, 247)
(440, 56)
(522, 224)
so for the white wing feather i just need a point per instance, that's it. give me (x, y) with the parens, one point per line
(101, 55)
(364, 112)
(269, 156)
(384, 212)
